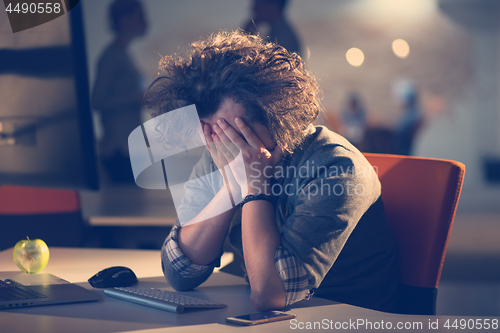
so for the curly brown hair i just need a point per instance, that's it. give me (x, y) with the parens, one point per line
(271, 83)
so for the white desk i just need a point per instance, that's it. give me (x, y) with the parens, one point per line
(112, 315)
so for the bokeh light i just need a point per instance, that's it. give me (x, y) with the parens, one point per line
(355, 57)
(401, 48)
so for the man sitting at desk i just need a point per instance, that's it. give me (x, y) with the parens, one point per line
(311, 219)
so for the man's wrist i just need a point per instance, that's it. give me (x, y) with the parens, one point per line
(255, 197)
(259, 186)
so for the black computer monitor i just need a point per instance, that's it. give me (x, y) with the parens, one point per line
(46, 128)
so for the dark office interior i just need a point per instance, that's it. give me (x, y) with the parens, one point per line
(430, 65)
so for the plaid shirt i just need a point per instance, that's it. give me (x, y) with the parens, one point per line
(291, 272)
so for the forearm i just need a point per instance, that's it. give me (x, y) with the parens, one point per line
(260, 238)
(202, 238)
(178, 270)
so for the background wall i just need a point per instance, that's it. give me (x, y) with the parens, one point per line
(453, 63)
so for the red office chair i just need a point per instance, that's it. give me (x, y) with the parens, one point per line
(420, 197)
(49, 214)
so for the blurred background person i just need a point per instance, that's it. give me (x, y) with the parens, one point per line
(270, 15)
(353, 120)
(117, 92)
(409, 123)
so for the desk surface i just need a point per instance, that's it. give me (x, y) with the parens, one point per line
(112, 315)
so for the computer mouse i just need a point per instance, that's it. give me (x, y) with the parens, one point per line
(117, 276)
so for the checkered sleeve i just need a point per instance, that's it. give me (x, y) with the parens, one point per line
(293, 275)
(179, 261)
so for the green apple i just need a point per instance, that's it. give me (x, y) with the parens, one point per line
(31, 256)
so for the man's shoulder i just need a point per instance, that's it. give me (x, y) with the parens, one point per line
(328, 147)
(327, 150)
(323, 135)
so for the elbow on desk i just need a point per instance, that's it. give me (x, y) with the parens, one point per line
(179, 282)
(179, 286)
(262, 301)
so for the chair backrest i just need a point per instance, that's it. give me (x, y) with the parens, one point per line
(18, 200)
(50, 214)
(420, 196)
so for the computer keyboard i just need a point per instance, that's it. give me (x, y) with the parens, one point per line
(161, 299)
(11, 291)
